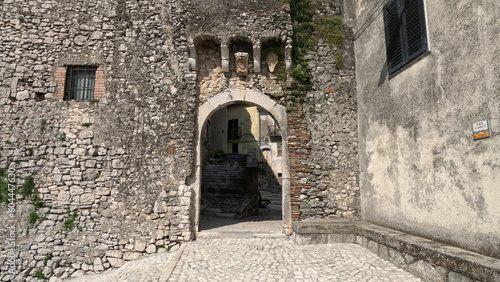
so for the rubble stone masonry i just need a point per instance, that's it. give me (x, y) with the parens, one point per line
(115, 174)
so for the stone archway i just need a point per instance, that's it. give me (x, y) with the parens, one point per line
(259, 99)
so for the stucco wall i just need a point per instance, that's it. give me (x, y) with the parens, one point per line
(421, 170)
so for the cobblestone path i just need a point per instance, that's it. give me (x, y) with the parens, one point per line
(257, 259)
(271, 259)
(146, 269)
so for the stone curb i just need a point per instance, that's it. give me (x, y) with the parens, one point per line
(242, 234)
(415, 254)
(170, 268)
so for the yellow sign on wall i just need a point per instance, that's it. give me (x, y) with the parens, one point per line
(481, 129)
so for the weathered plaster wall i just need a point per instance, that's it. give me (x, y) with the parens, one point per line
(248, 127)
(421, 170)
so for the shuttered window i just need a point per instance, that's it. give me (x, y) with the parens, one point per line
(80, 83)
(405, 32)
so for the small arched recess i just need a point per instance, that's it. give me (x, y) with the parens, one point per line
(259, 99)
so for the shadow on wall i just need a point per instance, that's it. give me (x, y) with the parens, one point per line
(268, 179)
(383, 74)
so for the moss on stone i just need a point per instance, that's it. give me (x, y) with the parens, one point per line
(303, 40)
(339, 60)
(331, 28)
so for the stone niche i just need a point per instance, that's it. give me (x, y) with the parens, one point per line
(241, 63)
(210, 76)
(240, 45)
(273, 59)
(273, 67)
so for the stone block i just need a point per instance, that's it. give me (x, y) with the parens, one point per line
(4, 92)
(23, 95)
(114, 254)
(383, 251)
(256, 58)
(47, 223)
(102, 191)
(373, 247)
(87, 133)
(87, 198)
(160, 207)
(427, 271)
(225, 65)
(140, 245)
(341, 238)
(96, 35)
(75, 190)
(101, 249)
(305, 239)
(79, 40)
(224, 51)
(40, 238)
(409, 258)
(75, 172)
(59, 150)
(63, 197)
(131, 255)
(396, 257)
(220, 99)
(151, 249)
(260, 99)
(101, 151)
(90, 174)
(117, 164)
(79, 151)
(116, 262)
(456, 277)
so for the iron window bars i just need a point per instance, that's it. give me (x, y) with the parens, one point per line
(80, 83)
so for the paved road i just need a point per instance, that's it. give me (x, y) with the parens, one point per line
(257, 259)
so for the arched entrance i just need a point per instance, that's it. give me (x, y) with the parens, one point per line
(257, 98)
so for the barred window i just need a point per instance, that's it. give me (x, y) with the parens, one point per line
(80, 83)
(405, 32)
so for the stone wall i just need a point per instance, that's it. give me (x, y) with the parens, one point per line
(115, 178)
(330, 187)
(104, 170)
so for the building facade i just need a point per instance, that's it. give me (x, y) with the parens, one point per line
(421, 169)
(103, 105)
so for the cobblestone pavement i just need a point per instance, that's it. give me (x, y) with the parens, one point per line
(272, 259)
(254, 249)
(146, 269)
(256, 259)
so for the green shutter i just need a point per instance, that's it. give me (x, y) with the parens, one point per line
(405, 32)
